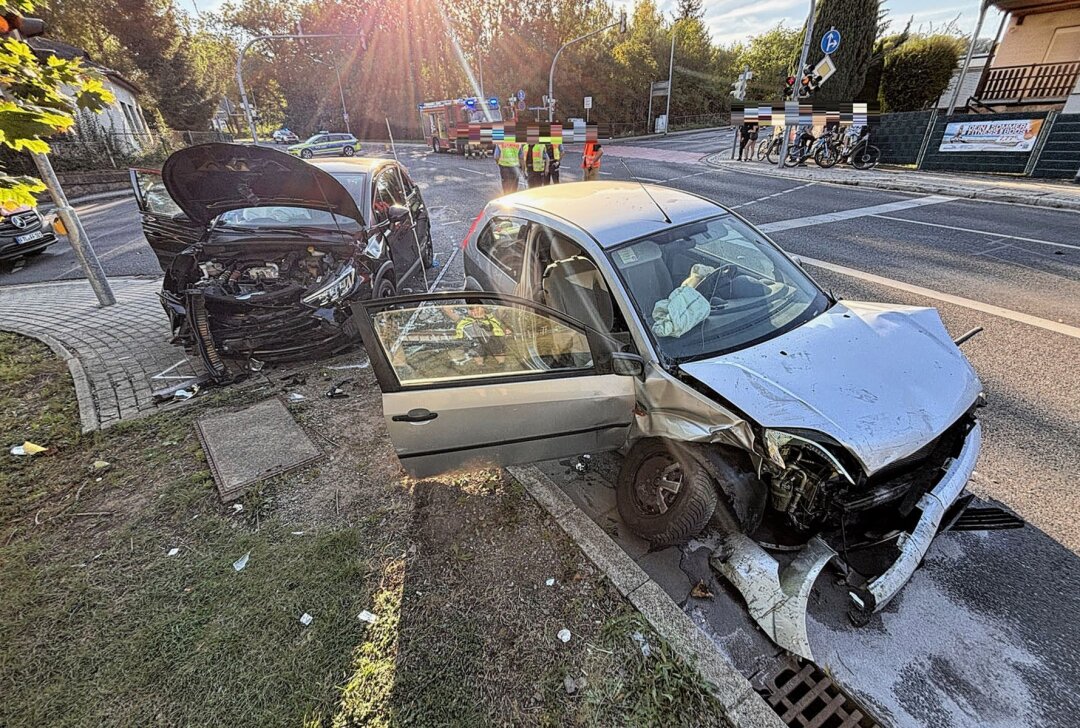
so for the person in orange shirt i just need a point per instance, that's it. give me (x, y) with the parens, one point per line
(590, 161)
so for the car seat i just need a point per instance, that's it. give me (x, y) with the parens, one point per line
(573, 285)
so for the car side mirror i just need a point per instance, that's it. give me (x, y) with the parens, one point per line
(398, 214)
(374, 249)
(627, 365)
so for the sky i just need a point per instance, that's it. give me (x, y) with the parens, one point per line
(733, 21)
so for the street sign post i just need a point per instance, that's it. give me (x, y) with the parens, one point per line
(521, 94)
(830, 41)
(588, 105)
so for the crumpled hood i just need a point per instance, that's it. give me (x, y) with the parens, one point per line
(881, 380)
(209, 179)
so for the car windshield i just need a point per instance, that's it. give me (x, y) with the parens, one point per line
(715, 286)
(279, 216)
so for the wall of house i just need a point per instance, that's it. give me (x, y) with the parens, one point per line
(1041, 38)
(969, 84)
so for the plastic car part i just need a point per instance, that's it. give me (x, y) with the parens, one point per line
(776, 599)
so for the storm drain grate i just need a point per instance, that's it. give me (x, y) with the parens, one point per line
(805, 697)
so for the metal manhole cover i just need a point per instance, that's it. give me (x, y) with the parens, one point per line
(804, 696)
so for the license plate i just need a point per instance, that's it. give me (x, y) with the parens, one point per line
(29, 237)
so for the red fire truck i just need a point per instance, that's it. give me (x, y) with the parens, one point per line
(456, 125)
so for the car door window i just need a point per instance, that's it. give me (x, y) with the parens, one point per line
(503, 242)
(469, 339)
(319, 140)
(153, 195)
(387, 192)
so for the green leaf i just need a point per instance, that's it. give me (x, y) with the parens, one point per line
(21, 127)
(18, 191)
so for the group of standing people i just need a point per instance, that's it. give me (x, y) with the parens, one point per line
(748, 134)
(540, 162)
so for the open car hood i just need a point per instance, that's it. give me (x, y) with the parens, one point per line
(209, 179)
(881, 380)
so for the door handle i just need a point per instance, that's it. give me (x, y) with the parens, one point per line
(416, 415)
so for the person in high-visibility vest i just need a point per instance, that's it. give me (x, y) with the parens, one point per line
(555, 155)
(508, 156)
(537, 164)
(590, 161)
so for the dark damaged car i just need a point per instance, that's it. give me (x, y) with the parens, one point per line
(263, 253)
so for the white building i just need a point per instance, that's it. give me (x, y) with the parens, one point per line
(122, 122)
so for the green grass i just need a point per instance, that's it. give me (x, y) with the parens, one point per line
(100, 627)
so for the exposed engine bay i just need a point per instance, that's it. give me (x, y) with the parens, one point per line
(262, 303)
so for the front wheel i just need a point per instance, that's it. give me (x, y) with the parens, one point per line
(385, 288)
(826, 157)
(349, 151)
(772, 153)
(427, 250)
(762, 150)
(664, 497)
(306, 153)
(792, 159)
(866, 158)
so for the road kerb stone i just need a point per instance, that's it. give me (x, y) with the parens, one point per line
(88, 414)
(742, 705)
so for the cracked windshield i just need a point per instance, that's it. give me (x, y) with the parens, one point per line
(599, 363)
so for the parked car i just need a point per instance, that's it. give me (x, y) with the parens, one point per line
(23, 233)
(326, 144)
(285, 136)
(263, 252)
(615, 315)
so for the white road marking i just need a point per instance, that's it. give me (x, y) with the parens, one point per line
(988, 308)
(980, 232)
(769, 197)
(842, 215)
(445, 267)
(695, 174)
(647, 179)
(473, 171)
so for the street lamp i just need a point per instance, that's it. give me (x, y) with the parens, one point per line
(621, 22)
(283, 36)
(341, 91)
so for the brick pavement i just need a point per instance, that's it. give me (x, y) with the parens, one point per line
(112, 352)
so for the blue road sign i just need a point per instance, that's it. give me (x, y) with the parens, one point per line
(521, 94)
(830, 41)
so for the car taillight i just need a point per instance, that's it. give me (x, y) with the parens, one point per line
(472, 229)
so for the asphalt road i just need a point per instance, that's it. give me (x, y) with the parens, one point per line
(989, 624)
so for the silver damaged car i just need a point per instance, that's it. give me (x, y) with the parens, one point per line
(745, 398)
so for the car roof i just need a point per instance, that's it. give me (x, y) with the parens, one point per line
(613, 212)
(347, 165)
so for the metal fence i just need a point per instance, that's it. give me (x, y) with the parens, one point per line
(700, 121)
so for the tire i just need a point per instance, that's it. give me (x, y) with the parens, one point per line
(686, 512)
(762, 150)
(866, 158)
(772, 153)
(826, 157)
(427, 251)
(348, 151)
(385, 288)
(791, 160)
(306, 154)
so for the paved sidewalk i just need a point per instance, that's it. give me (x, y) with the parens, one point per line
(112, 352)
(1057, 194)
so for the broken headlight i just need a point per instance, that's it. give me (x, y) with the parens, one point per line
(339, 287)
(778, 441)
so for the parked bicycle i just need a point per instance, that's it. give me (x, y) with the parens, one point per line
(854, 148)
(807, 146)
(770, 148)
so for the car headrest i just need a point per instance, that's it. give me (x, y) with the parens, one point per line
(561, 248)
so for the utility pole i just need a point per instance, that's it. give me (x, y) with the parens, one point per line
(76, 234)
(670, 77)
(341, 90)
(967, 58)
(284, 36)
(551, 75)
(802, 64)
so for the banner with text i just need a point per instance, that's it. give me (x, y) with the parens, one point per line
(1016, 135)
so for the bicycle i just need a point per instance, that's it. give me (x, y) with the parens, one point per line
(801, 150)
(769, 148)
(857, 150)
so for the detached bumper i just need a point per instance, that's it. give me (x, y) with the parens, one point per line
(913, 546)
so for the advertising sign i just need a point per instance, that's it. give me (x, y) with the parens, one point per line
(1017, 135)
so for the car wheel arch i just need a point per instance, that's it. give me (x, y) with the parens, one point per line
(386, 272)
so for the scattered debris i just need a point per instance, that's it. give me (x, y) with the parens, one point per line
(28, 448)
(580, 465)
(366, 616)
(101, 464)
(296, 397)
(550, 581)
(174, 551)
(700, 591)
(241, 562)
(337, 391)
(297, 533)
(573, 685)
(237, 507)
(360, 365)
(255, 365)
(189, 386)
(295, 380)
(564, 635)
(183, 394)
(306, 619)
(642, 643)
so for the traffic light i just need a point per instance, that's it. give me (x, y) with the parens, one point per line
(809, 83)
(26, 27)
(789, 88)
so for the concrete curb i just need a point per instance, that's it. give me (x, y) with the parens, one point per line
(742, 705)
(88, 414)
(921, 187)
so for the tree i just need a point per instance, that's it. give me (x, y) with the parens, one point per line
(917, 73)
(857, 21)
(771, 56)
(882, 47)
(39, 100)
(689, 9)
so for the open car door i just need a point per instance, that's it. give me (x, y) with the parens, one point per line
(472, 379)
(167, 229)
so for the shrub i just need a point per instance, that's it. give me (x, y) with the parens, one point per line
(917, 73)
